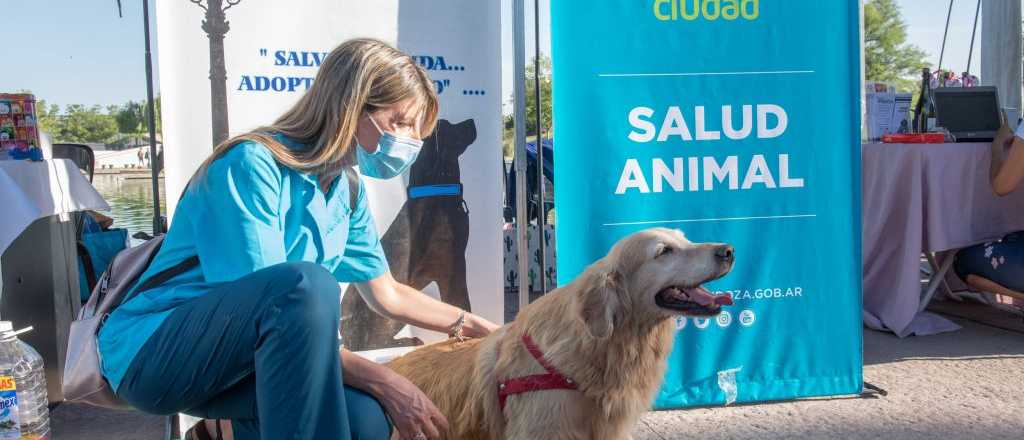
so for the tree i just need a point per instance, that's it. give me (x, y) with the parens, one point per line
(156, 114)
(545, 97)
(95, 124)
(531, 106)
(130, 117)
(508, 136)
(83, 124)
(888, 57)
(47, 116)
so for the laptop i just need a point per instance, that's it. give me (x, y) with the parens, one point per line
(971, 114)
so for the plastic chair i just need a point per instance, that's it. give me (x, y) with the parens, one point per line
(84, 158)
(81, 155)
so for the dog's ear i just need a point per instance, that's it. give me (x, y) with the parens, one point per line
(601, 303)
(465, 135)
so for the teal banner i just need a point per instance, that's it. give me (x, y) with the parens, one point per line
(735, 121)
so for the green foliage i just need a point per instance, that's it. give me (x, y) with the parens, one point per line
(887, 55)
(156, 107)
(81, 123)
(545, 97)
(48, 116)
(130, 117)
(508, 136)
(118, 126)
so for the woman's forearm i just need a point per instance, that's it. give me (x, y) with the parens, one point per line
(405, 304)
(998, 157)
(1007, 169)
(363, 374)
(409, 409)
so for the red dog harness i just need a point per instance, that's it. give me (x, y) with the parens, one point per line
(552, 380)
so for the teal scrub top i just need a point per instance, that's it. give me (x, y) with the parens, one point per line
(248, 213)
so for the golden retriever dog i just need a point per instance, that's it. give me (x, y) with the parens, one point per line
(600, 347)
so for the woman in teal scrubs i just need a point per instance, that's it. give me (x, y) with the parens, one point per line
(250, 332)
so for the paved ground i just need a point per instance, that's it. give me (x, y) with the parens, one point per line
(73, 422)
(963, 385)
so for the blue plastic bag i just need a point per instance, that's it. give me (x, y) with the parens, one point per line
(95, 250)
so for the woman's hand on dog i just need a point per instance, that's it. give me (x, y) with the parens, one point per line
(411, 411)
(477, 327)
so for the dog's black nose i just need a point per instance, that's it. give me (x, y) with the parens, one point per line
(724, 253)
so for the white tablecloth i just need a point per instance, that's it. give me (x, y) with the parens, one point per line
(33, 190)
(923, 198)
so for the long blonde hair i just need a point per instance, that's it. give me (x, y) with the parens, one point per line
(360, 75)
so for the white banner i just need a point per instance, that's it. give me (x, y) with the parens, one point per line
(264, 55)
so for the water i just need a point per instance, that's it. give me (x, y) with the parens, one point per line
(21, 362)
(131, 202)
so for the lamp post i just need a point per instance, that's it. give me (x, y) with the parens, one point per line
(216, 26)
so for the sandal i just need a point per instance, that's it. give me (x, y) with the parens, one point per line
(199, 432)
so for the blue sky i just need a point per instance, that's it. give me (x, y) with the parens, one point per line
(925, 22)
(75, 51)
(82, 53)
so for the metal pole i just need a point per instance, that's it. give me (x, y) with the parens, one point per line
(541, 212)
(151, 120)
(974, 30)
(942, 52)
(519, 67)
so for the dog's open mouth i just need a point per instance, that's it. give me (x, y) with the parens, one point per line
(694, 301)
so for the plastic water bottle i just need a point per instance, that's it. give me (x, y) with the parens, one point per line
(23, 402)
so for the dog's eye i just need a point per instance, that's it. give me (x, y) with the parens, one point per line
(665, 250)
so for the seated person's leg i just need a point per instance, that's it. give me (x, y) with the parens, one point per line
(367, 420)
(1000, 263)
(278, 324)
(366, 416)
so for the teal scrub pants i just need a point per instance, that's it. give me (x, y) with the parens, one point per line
(261, 351)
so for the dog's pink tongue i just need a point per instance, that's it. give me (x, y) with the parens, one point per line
(701, 296)
(705, 298)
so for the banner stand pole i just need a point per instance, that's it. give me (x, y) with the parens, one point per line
(151, 123)
(974, 31)
(942, 52)
(541, 208)
(519, 78)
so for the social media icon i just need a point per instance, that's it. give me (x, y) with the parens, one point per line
(723, 319)
(701, 323)
(747, 318)
(680, 322)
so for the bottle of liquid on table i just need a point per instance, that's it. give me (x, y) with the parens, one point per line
(930, 116)
(923, 107)
(24, 414)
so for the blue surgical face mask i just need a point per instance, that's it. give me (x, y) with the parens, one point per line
(393, 156)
